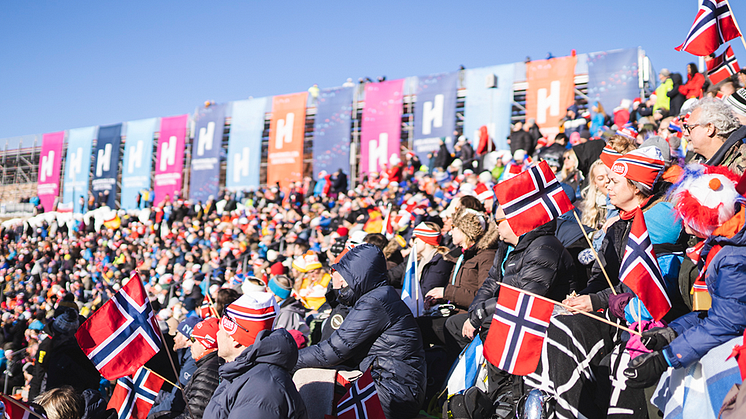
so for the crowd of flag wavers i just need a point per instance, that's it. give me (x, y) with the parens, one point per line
(597, 274)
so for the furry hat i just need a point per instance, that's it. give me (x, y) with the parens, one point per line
(472, 223)
(706, 197)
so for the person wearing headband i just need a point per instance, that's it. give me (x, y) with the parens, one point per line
(292, 314)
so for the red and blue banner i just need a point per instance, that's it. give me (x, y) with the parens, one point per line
(331, 130)
(245, 144)
(136, 166)
(381, 126)
(48, 182)
(435, 113)
(106, 164)
(489, 104)
(169, 163)
(77, 167)
(204, 181)
(613, 76)
(286, 136)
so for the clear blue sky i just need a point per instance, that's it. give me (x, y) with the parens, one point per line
(68, 64)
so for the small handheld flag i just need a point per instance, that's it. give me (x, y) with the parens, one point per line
(123, 334)
(640, 270)
(532, 198)
(361, 400)
(134, 396)
(713, 26)
(411, 292)
(723, 66)
(517, 331)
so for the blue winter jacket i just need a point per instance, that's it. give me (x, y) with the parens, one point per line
(726, 319)
(257, 384)
(379, 333)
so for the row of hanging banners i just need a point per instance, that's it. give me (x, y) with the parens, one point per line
(489, 97)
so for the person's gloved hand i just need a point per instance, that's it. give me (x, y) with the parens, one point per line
(645, 370)
(657, 338)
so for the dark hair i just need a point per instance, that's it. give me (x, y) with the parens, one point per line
(376, 239)
(471, 202)
(225, 297)
(693, 68)
(561, 137)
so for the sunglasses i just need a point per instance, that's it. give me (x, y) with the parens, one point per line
(500, 220)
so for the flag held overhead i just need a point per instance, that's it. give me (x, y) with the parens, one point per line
(713, 26)
(532, 198)
(123, 334)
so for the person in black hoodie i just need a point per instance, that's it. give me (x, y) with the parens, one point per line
(255, 381)
(60, 361)
(677, 99)
(379, 333)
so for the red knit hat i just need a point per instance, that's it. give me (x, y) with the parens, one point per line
(609, 156)
(248, 316)
(643, 165)
(427, 234)
(206, 333)
(277, 269)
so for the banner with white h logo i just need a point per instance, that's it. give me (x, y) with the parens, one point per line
(78, 167)
(208, 135)
(106, 164)
(245, 144)
(48, 182)
(169, 163)
(137, 163)
(286, 132)
(435, 113)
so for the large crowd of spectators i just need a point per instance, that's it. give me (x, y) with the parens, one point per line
(342, 307)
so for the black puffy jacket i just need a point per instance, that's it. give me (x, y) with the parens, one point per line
(257, 384)
(201, 386)
(538, 263)
(435, 273)
(379, 332)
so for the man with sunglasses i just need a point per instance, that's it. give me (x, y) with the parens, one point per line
(716, 135)
(255, 381)
(204, 346)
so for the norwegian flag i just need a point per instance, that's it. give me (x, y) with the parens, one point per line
(206, 310)
(640, 270)
(532, 198)
(722, 66)
(123, 334)
(517, 331)
(16, 409)
(134, 396)
(361, 400)
(713, 26)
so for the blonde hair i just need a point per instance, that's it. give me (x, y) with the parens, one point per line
(593, 214)
(60, 403)
(621, 144)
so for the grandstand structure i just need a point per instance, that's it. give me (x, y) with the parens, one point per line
(19, 156)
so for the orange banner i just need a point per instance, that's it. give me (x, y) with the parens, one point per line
(551, 90)
(285, 157)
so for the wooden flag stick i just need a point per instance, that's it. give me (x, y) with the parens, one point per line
(163, 378)
(736, 23)
(595, 255)
(574, 310)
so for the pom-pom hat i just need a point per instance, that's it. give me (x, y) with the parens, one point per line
(706, 197)
(248, 316)
(206, 332)
(307, 262)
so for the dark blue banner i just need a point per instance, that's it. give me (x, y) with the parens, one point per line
(331, 143)
(612, 76)
(435, 113)
(208, 136)
(106, 164)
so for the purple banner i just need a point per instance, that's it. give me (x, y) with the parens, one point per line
(48, 183)
(381, 127)
(204, 181)
(331, 131)
(435, 113)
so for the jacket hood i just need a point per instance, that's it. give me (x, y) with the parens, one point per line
(364, 269)
(276, 347)
(735, 137)
(490, 238)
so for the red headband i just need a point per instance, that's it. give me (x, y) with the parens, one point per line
(427, 234)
